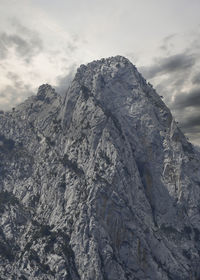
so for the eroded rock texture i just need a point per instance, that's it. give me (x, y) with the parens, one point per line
(101, 185)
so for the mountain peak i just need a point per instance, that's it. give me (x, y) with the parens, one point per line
(101, 186)
(115, 84)
(45, 91)
(107, 68)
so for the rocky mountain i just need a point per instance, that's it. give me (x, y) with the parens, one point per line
(101, 185)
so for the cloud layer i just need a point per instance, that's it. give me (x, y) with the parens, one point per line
(177, 78)
(25, 48)
(177, 63)
(27, 61)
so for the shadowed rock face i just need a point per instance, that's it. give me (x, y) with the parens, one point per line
(100, 185)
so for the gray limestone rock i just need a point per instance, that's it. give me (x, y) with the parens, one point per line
(101, 185)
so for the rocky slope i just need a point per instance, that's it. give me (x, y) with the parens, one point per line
(102, 185)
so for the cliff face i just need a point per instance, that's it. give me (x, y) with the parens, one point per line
(102, 185)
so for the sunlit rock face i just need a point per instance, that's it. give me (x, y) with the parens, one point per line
(99, 185)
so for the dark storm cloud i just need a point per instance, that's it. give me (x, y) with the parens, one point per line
(26, 45)
(191, 124)
(168, 65)
(186, 110)
(190, 99)
(171, 75)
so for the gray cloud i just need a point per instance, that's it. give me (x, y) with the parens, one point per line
(15, 92)
(167, 65)
(167, 43)
(191, 124)
(18, 84)
(15, 79)
(190, 99)
(63, 82)
(10, 95)
(172, 75)
(186, 107)
(196, 78)
(26, 45)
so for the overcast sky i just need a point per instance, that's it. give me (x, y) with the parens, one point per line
(44, 41)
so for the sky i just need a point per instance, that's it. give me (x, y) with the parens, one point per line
(44, 41)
